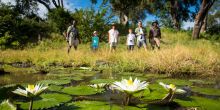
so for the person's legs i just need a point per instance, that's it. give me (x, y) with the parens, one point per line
(152, 42)
(157, 42)
(132, 47)
(144, 44)
(68, 50)
(75, 43)
(139, 44)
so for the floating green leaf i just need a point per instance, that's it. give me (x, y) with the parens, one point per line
(55, 88)
(96, 81)
(6, 105)
(208, 91)
(47, 101)
(93, 105)
(200, 102)
(81, 90)
(55, 81)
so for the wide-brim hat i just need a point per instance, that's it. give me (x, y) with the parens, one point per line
(155, 22)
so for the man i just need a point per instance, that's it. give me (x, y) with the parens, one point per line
(155, 35)
(113, 37)
(141, 36)
(72, 36)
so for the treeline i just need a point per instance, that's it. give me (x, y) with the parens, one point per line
(20, 23)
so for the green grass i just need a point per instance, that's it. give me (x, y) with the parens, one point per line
(179, 56)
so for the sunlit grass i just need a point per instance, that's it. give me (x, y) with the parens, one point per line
(178, 54)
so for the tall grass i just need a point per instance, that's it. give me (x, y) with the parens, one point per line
(179, 55)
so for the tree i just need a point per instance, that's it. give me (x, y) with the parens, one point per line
(132, 10)
(176, 11)
(200, 17)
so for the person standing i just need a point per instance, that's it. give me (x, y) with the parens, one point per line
(72, 36)
(113, 37)
(95, 41)
(130, 40)
(141, 36)
(155, 35)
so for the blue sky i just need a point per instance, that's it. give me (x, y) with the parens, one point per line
(71, 5)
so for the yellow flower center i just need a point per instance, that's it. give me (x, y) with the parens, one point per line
(172, 86)
(31, 87)
(130, 82)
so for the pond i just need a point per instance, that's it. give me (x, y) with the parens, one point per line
(68, 90)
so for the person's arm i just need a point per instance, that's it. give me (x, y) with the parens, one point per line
(150, 34)
(68, 31)
(118, 37)
(159, 33)
(137, 32)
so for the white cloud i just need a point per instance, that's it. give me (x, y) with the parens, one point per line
(187, 25)
(8, 1)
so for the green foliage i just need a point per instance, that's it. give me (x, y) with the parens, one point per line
(59, 19)
(47, 101)
(88, 20)
(80, 90)
(6, 105)
(17, 29)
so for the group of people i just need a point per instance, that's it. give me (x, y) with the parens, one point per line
(140, 33)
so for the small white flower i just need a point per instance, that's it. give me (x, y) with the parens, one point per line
(172, 87)
(31, 90)
(130, 86)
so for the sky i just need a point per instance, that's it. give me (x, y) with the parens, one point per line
(71, 5)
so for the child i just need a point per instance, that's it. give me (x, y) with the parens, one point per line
(95, 41)
(130, 40)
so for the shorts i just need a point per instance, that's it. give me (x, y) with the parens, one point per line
(130, 47)
(73, 42)
(141, 43)
(113, 44)
(153, 41)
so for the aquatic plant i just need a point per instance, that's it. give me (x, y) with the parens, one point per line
(172, 90)
(31, 91)
(129, 87)
(6, 105)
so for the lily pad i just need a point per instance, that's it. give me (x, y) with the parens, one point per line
(81, 90)
(175, 81)
(199, 102)
(55, 81)
(55, 88)
(198, 81)
(75, 78)
(6, 105)
(92, 105)
(97, 81)
(209, 91)
(47, 101)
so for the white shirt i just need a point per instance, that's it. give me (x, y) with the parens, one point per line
(130, 39)
(140, 37)
(113, 34)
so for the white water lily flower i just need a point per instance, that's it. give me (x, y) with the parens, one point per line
(172, 87)
(97, 86)
(130, 86)
(31, 90)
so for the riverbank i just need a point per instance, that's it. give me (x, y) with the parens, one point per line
(179, 56)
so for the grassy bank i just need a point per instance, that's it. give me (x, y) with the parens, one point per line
(179, 55)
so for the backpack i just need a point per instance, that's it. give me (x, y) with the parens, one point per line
(74, 32)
